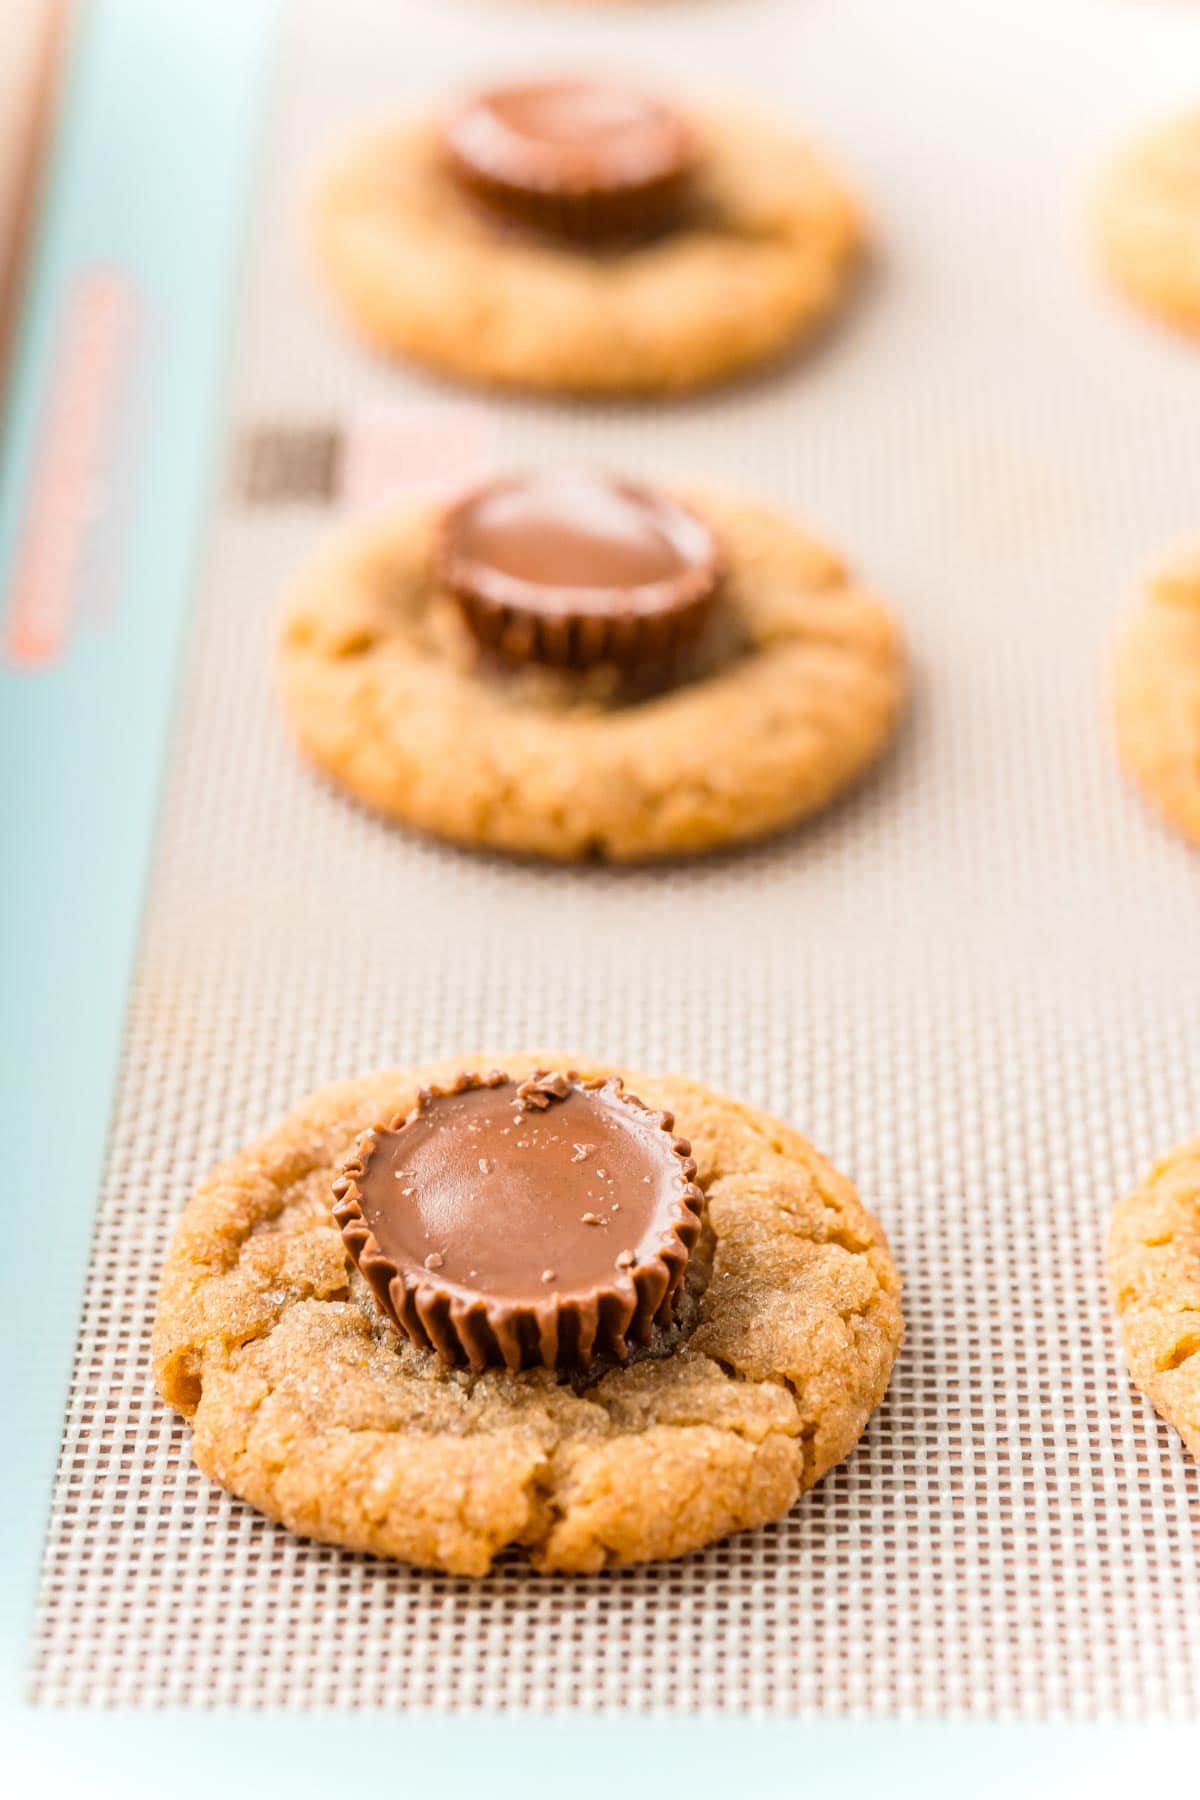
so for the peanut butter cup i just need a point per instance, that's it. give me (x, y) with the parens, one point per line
(516, 1224)
(575, 569)
(586, 161)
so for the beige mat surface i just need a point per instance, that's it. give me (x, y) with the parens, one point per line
(975, 984)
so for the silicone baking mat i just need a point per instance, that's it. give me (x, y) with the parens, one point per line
(974, 984)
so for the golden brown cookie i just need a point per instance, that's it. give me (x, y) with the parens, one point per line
(791, 694)
(1154, 1275)
(1148, 223)
(1156, 692)
(305, 1401)
(765, 255)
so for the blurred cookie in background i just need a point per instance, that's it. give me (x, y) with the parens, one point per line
(575, 666)
(1148, 223)
(585, 236)
(1156, 695)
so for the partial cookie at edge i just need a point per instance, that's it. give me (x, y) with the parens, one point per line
(1147, 219)
(1156, 695)
(1154, 1278)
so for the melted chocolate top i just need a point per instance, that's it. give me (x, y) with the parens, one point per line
(516, 1201)
(502, 1222)
(527, 554)
(583, 159)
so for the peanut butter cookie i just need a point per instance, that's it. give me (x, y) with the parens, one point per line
(1156, 691)
(580, 668)
(276, 1339)
(580, 237)
(1154, 1274)
(1148, 220)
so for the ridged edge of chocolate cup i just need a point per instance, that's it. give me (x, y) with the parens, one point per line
(582, 637)
(562, 1333)
(583, 219)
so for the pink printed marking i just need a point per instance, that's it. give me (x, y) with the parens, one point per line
(393, 452)
(70, 485)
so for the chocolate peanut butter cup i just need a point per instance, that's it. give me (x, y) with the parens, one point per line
(574, 569)
(507, 1223)
(587, 161)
